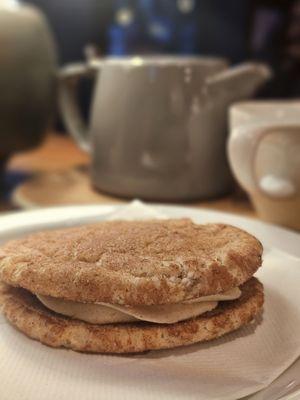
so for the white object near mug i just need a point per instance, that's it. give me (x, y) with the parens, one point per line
(264, 153)
(158, 124)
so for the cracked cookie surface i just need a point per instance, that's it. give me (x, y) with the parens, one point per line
(132, 262)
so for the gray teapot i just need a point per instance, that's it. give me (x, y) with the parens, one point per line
(158, 124)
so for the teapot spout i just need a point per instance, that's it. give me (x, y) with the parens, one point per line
(241, 81)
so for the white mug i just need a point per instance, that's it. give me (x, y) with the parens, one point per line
(264, 154)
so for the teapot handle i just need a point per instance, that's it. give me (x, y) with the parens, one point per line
(241, 80)
(69, 76)
(242, 150)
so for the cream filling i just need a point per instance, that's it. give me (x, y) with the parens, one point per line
(104, 313)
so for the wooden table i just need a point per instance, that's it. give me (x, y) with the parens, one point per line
(59, 153)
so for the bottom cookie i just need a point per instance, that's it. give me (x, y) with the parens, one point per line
(24, 311)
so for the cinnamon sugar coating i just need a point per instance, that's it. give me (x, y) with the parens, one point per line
(132, 262)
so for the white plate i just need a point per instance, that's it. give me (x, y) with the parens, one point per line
(13, 225)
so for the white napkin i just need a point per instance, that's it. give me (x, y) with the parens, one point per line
(236, 365)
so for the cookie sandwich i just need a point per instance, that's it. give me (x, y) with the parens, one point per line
(131, 286)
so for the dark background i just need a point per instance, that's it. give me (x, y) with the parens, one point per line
(237, 29)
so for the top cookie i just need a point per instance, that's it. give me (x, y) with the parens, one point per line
(132, 262)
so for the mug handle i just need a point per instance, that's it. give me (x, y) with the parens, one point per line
(242, 149)
(69, 76)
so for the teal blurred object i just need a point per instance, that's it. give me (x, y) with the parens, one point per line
(27, 77)
(150, 26)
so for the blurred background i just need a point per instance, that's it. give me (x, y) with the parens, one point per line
(238, 30)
